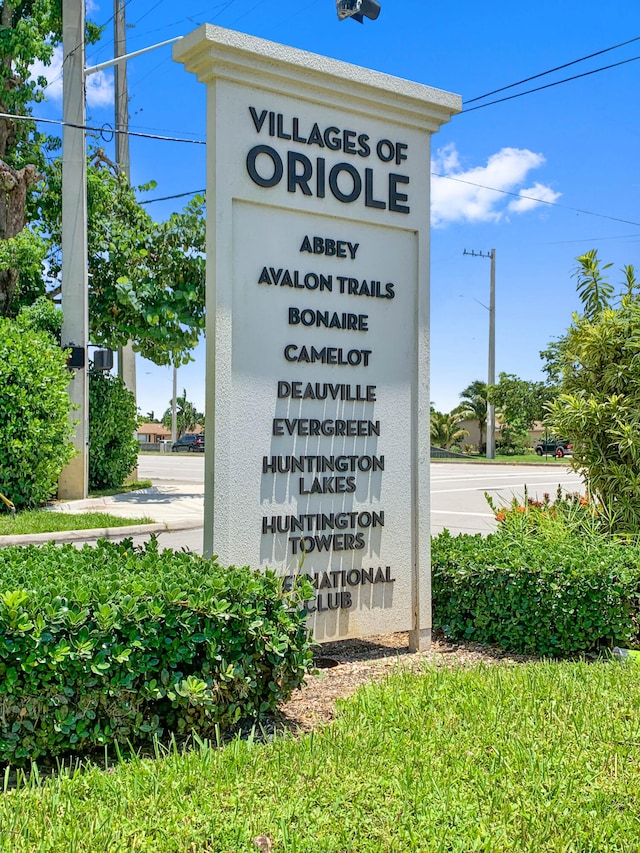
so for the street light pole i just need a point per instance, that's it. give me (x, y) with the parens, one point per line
(491, 372)
(73, 482)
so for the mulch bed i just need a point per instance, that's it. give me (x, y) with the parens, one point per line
(344, 666)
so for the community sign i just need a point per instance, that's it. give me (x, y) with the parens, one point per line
(317, 412)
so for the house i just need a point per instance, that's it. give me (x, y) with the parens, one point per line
(473, 439)
(152, 436)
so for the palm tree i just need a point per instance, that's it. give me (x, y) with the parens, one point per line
(187, 416)
(474, 405)
(444, 429)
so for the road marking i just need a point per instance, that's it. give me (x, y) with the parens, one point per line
(519, 485)
(455, 512)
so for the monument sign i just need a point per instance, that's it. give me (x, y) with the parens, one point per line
(317, 327)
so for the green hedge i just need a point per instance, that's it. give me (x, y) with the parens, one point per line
(35, 425)
(535, 595)
(114, 643)
(113, 446)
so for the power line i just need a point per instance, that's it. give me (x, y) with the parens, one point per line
(461, 181)
(538, 200)
(103, 129)
(586, 240)
(550, 85)
(171, 197)
(552, 70)
(224, 5)
(148, 12)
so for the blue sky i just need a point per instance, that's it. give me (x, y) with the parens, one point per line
(576, 144)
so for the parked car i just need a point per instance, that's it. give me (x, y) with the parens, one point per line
(190, 442)
(554, 447)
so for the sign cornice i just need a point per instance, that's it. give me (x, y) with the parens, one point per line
(213, 52)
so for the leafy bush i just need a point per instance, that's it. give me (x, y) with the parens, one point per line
(114, 643)
(113, 447)
(35, 425)
(42, 316)
(567, 516)
(512, 442)
(596, 363)
(547, 595)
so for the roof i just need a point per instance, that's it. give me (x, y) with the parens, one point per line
(154, 429)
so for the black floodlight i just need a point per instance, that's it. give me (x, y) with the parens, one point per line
(103, 359)
(76, 357)
(357, 9)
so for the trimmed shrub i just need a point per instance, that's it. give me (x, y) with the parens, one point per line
(542, 595)
(35, 425)
(113, 447)
(118, 644)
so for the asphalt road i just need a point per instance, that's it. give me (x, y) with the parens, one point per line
(457, 490)
(170, 467)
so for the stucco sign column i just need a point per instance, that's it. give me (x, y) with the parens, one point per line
(317, 413)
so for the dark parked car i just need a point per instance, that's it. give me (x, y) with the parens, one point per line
(554, 447)
(190, 442)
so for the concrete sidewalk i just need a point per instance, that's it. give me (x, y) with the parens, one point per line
(172, 507)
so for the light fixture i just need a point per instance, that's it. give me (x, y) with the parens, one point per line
(357, 9)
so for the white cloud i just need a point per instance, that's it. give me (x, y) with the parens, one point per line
(459, 195)
(52, 74)
(99, 86)
(100, 89)
(532, 198)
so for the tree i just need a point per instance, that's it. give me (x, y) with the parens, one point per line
(29, 31)
(147, 279)
(445, 430)
(521, 402)
(474, 405)
(597, 363)
(187, 416)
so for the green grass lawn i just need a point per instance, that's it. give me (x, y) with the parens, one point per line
(44, 521)
(532, 757)
(528, 458)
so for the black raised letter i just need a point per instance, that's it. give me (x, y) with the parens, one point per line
(293, 178)
(278, 169)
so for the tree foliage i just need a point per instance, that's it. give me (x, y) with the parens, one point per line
(29, 31)
(597, 363)
(445, 430)
(146, 278)
(520, 402)
(474, 405)
(34, 414)
(187, 416)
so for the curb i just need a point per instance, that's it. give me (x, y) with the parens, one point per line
(98, 533)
